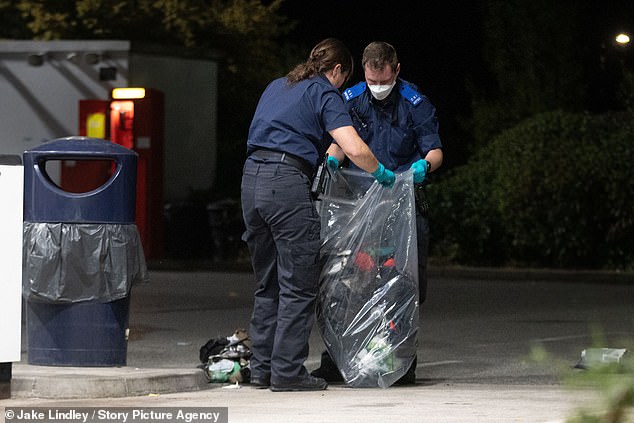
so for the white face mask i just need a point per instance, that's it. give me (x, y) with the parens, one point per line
(380, 92)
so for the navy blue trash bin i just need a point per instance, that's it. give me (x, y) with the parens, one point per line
(113, 202)
(68, 332)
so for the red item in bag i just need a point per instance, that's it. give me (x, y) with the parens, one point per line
(364, 261)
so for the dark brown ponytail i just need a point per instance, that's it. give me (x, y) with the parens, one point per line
(323, 58)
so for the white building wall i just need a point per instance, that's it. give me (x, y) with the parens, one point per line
(41, 103)
(190, 89)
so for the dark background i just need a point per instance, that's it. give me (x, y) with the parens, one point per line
(441, 47)
(438, 43)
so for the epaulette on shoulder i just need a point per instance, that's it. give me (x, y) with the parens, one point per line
(354, 91)
(410, 94)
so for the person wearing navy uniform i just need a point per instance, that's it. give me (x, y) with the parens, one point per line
(401, 128)
(295, 121)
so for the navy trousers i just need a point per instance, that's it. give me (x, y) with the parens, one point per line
(282, 233)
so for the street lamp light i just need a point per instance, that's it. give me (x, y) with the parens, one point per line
(622, 39)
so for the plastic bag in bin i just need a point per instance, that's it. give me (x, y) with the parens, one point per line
(367, 309)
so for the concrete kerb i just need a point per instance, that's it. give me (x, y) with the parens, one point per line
(435, 270)
(96, 382)
(530, 274)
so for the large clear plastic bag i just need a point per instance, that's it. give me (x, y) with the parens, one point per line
(367, 309)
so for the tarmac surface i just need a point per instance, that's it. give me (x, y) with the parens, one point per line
(483, 376)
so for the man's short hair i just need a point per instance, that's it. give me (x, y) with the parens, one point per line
(378, 54)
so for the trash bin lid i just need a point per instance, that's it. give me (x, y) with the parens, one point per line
(112, 202)
(80, 146)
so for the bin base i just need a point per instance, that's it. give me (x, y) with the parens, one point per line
(5, 380)
(5, 390)
(79, 334)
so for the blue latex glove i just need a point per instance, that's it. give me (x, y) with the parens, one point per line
(384, 176)
(420, 171)
(333, 163)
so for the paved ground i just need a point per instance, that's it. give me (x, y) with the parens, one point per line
(477, 334)
(466, 403)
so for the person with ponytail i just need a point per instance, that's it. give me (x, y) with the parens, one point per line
(296, 120)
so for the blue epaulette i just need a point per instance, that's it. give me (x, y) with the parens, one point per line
(354, 91)
(411, 94)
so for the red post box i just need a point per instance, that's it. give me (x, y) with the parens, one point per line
(137, 123)
(133, 118)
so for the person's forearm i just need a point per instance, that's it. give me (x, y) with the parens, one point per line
(361, 156)
(335, 151)
(434, 157)
(354, 148)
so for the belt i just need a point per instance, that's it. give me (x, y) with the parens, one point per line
(286, 158)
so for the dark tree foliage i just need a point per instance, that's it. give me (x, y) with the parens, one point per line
(556, 190)
(543, 55)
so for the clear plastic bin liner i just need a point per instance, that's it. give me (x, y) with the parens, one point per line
(367, 310)
(69, 263)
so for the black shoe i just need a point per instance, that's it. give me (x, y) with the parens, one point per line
(409, 378)
(328, 374)
(327, 369)
(260, 382)
(306, 383)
